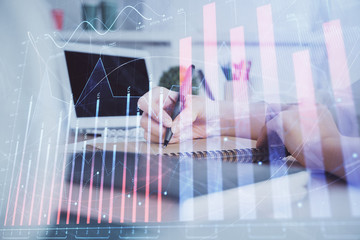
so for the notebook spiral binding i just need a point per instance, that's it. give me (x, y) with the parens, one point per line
(245, 155)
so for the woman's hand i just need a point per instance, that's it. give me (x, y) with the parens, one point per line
(309, 134)
(200, 118)
(190, 123)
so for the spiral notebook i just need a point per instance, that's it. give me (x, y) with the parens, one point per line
(229, 149)
(213, 161)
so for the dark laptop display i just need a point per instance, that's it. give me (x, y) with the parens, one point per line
(116, 81)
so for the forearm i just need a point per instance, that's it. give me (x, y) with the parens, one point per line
(335, 150)
(239, 120)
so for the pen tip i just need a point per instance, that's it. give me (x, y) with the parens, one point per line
(165, 144)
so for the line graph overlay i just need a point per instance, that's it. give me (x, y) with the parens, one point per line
(95, 81)
(332, 30)
(93, 28)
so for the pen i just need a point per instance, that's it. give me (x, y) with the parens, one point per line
(206, 86)
(184, 90)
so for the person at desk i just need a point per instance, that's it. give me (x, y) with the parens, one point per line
(264, 121)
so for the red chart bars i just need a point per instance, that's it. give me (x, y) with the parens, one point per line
(92, 166)
(280, 190)
(340, 79)
(159, 178)
(148, 149)
(186, 167)
(30, 200)
(35, 178)
(123, 192)
(64, 165)
(21, 166)
(54, 170)
(11, 183)
(318, 192)
(33, 193)
(134, 204)
(247, 207)
(81, 185)
(26, 192)
(214, 169)
(72, 177)
(44, 185)
(111, 200)
(100, 215)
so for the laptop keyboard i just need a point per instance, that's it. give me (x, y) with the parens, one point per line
(122, 134)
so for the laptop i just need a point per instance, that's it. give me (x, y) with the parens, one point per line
(105, 83)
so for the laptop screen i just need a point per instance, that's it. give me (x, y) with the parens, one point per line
(104, 85)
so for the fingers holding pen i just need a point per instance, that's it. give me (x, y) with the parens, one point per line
(160, 105)
(150, 124)
(154, 129)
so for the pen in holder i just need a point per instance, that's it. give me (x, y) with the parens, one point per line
(109, 9)
(109, 14)
(233, 73)
(89, 14)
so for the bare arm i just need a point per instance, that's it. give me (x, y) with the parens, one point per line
(323, 150)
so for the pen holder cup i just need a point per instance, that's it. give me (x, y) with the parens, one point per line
(89, 14)
(109, 14)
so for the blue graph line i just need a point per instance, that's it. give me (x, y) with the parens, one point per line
(146, 5)
(91, 25)
(99, 64)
